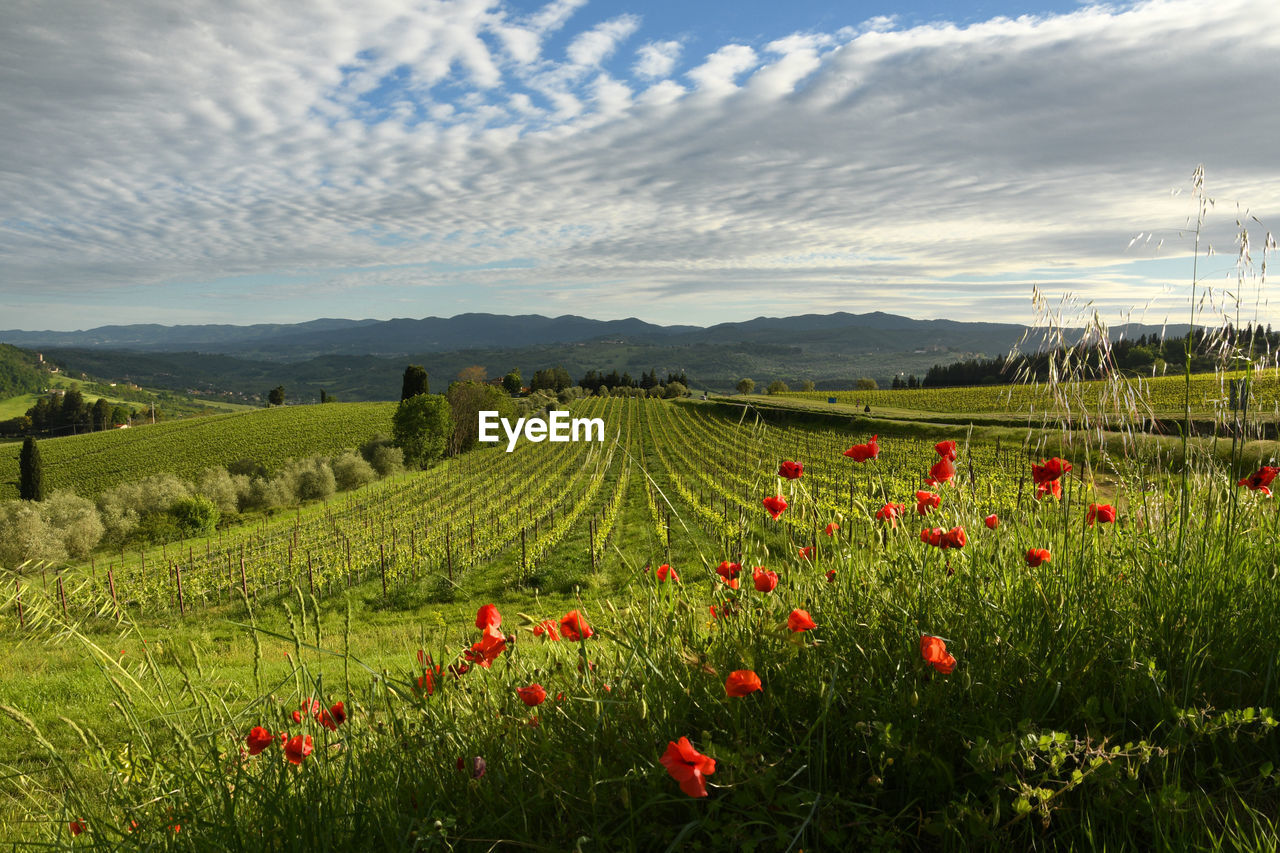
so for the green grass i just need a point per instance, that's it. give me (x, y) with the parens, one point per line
(93, 463)
(1121, 695)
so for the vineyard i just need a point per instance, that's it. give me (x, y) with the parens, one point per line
(93, 463)
(1014, 657)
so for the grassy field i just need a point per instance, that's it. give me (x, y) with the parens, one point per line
(1119, 693)
(90, 464)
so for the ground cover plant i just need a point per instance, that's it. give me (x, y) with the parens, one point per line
(935, 643)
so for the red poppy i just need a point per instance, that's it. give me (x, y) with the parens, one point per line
(934, 651)
(799, 620)
(764, 579)
(477, 766)
(741, 682)
(926, 501)
(259, 739)
(574, 626)
(665, 572)
(732, 583)
(954, 538)
(1101, 513)
(1049, 471)
(831, 529)
(427, 681)
(791, 470)
(488, 616)
(334, 717)
(532, 695)
(297, 716)
(298, 748)
(1049, 487)
(77, 827)
(457, 670)
(776, 505)
(486, 650)
(864, 452)
(932, 536)
(806, 553)
(1036, 556)
(1260, 480)
(946, 449)
(728, 570)
(546, 628)
(891, 513)
(991, 521)
(941, 472)
(688, 766)
(831, 575)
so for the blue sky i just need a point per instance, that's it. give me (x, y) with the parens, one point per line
(680, 162)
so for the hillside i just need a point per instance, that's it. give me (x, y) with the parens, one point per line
(90, 464)
(20, 372)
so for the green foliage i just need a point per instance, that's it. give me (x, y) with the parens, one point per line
(31, 472)
(777, 386)
(674, 389)
(195, 516)
(863, 384)
(19, 372)
(276, 396)
(421, 428)
(746, 386)
(415, 382)
(512, 383)
(466, 401)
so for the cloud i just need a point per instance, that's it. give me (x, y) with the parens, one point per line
(934, 170)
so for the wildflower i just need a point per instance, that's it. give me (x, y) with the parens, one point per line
(775, 504)
(1260, 480)
(831, 575)
(1049, 487)
(932, 536)
(574, 626)
(1104, 513)
(688, 766)
(478, 766)
(334, 717)
(765, 580)
(457, 670)
(806, 553)
(941, 472)
(259, 739)
(665, 572)
(532, 695)
(297, 748)
(954, 538)
(1049, 471)
(799, 620)
(1036, 556)
(488, 616)
(732, 583)
(728, 570)
(427, 681)
(926, 501)
(77, 827)
(831, 529)
(991, 521)
(741, 682)
(546, 628)
(486, 650)
(864, 452)
(934, 651)
(946, 449)
(891, 513)
(791, 470)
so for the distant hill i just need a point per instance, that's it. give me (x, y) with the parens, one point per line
(20, 372)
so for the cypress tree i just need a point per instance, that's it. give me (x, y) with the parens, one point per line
(415, 382)
(30, 472)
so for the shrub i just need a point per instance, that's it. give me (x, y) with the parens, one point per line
(195, 516)
(25, 535)
(75, 521)
(220, 487)
(421, 428)
(351, 471)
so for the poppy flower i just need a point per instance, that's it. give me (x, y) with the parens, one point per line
(799, 620)
(1260, 480)
(741, 682)
(1049, 471)
(728, 570)
(77, 827)
(427, 681)
(775, 504)
(574, 626)
(487, 616)
(1104, 513)
(665, 572)
(334, 717)
(946, 449)
(941, 472)
(791, 470)
(954, 538)
(932, 536)
(477, 766)
(831, 575)
(831, 529)
(991, 521)
(259, 739)
(1036, 556)
(764, 579)
(934, 651)
(298, 748)
(297, 716)
(891, 513)
(806, 553)
(926, 501)
(732, 583)
(864, 452)
(532, 695)
(486, 650)
(688, 766)
(1049, 487)
(546, 628)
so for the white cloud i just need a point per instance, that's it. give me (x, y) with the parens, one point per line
(598, 43)
(657, 59)
(717, 74)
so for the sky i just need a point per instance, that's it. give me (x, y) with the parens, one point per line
(691, 162)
